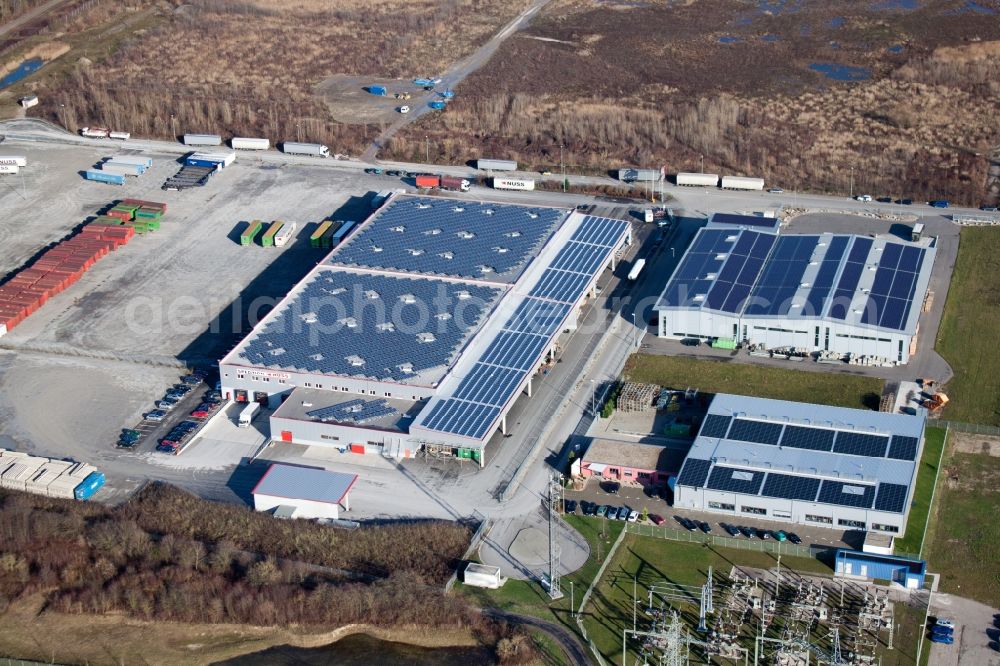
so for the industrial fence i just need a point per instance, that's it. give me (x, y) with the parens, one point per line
(758, 545)
(975, 428)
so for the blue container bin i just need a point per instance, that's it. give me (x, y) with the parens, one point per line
(89, 486)
(104, 177)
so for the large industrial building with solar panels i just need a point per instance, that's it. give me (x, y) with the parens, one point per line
(847, 469)
(422, 329)
(743, 282)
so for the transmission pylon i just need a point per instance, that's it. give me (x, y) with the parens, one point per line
(555, 506)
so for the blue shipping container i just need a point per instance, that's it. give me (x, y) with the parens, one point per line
(113, 178)
(211, 164)
(89, 486)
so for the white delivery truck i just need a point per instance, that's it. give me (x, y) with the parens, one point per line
(296, 148)
(248, 414)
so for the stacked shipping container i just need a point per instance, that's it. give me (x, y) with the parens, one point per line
(44, 476)
(65, 263)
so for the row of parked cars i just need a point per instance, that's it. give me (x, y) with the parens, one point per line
(174, 440)
(942, 631)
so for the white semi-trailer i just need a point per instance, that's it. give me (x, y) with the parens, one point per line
(295, 148)
(513, 184)
(496, 165)
(285, 234)
(742, 183)
(95, 132)
(698, 179)
(14, 160)
(249, 143)
(121, 136)
(202, 140)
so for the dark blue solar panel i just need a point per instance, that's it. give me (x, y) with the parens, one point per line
(715, 425)
(860, 444)
(903, 448)
(814, 439)
(489, 385)
(539, 317)
(739, 273)
(846, 494)
(912, 259)
(823, 283)
(701, 259)
(561, 286)
(746, 220)
(782, 275)
(694, 473)
(338, 316)
(354, 411)
(601, 231)
(890, 255)
(445, 237)
(515, 350)
(462, 418)
(786, 486)
(849, 277)
(891, 497)
(859, 250)
(733, 480)
(580, 258)
(759, 432)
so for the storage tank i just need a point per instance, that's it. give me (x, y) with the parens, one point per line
(202, 140)
(295, 148)
(248, 143)
(698, 179)
(742, 183)
(496, 165)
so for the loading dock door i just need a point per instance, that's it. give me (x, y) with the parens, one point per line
(241, 395)
(261, 397)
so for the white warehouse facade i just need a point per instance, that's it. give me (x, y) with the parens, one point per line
(422, 329)
(847, 469)
(741, 280)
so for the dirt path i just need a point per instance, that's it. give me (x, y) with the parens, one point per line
(571, 646)
(453, 76)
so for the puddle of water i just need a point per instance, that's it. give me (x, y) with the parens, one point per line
(894, 5)
(728, 39)
(771, 38)
(841, 72)
(896, 48)
(24, 69)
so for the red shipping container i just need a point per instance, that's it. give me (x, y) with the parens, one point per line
(145, 204)
(428, 181)
(120, 214)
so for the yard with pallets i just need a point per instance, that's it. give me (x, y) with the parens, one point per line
(641, 562)
(710, 376)
(967, 338)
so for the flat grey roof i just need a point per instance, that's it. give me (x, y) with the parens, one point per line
(320, 406)
(305, 483)
(632, 454)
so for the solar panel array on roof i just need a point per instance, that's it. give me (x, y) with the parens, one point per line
(759, 432)
(745, 220)
(895, 284)
(846, 494)
(517, 349)
(698, 268)
(903, 448)
(740, 271)
(850, 275)
(456, 238)
(788, 486)
(861, 444)
(814, 439)
(715, 425)
(734, 480)
(370, 326)
(823, 283)
(694, 472)
(782, 276)
(891, 497)
(354, 411)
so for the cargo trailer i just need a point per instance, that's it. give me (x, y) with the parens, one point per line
(89, 486)
(633, 175)
(9, 168)
(16, 160)
(496, 165)
(121, 136)
(513, 184)
(341, 233)
(285, 234)
(104, 177)
(316, 239)
(267, 240)
(742, 183)
(202, 140)
(295, 148)
(327, 241)
(698, 179)
(248, 236)
(132, 159)
(248, 143)
(210, 159)
(455, 184)
(123, 169)
(95, 132)
(428, 181)
(636, 269)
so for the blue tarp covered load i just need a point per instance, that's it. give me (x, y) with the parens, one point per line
(377, 90)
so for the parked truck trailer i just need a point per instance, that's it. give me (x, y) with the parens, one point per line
(698, 179)
(315, 149)
(95, 132)
(202, 140)
(742, 183)
(513, 184)
(15, 160)
(249, 143)
(496, 165)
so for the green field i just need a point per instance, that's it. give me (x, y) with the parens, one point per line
(965, 338)
(964, 537)
(647, 560)
(764, 382)
(913, 540)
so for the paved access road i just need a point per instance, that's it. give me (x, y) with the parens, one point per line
(575, 652)
(977, 632)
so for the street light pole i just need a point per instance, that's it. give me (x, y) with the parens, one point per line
(562, 167)
(702, 163)
(852, 182)
(635, 333)
(572, 600)
(593, 391)
(427, 150)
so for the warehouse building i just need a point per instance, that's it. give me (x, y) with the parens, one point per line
(802, 463)
(632, 463)
(421, 330)
(741, 281)
(303, 492)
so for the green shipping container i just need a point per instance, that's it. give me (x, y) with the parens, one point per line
(464, 453)
(140, 227)
(248, 236)
(267, 240)
(148, 213)
(152, 225)
(316, 240)
(108, 221)
(476, 454)
(129, 207)
(326, 242)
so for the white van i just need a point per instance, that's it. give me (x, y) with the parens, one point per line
(248, 414)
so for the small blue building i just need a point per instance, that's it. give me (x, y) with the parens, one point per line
(905, 571)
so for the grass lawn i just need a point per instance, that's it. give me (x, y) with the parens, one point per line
(971, 312)
(651, 560)
(964, 537)
(766, 382)
(926, 474)
(529, 598)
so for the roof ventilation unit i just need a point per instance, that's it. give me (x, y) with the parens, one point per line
(399, 228)
(501, 250)
(426, 336)
(309, 317)
(386, 327)
(371, 295)
(458, 209)
(513, 234)
(432, 232)
(355, 361)
(422, 206)
(349, 322)
(447, 255)
(408, 299)
(405, 368)
(467, 235)
(415, 251)
(376, 248)
(463, 295)
(487, 211)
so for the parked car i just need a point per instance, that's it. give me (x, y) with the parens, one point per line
(904, 202)
(588, 508)
(167, 446)
(122, 444)
(943, 639)
(942, 631)
(176, 396)
(656, 519)
(569, 506)
(191, 380)
(864, 197)
(130, 435)
(199, 413)
(780, 536)
(793, 537)
(623, 513)
(704, 527)
(763, 534)
(938, 203)
(746, 531)
(602, 511)
(404, 109)
(183, 388)
(393, 172)
(155, 415)
(690, 525)
(611, 487)
(988, 209)
(731, 530)
(945, 622)
(633, 516)
(374, 171)
(775, 190)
